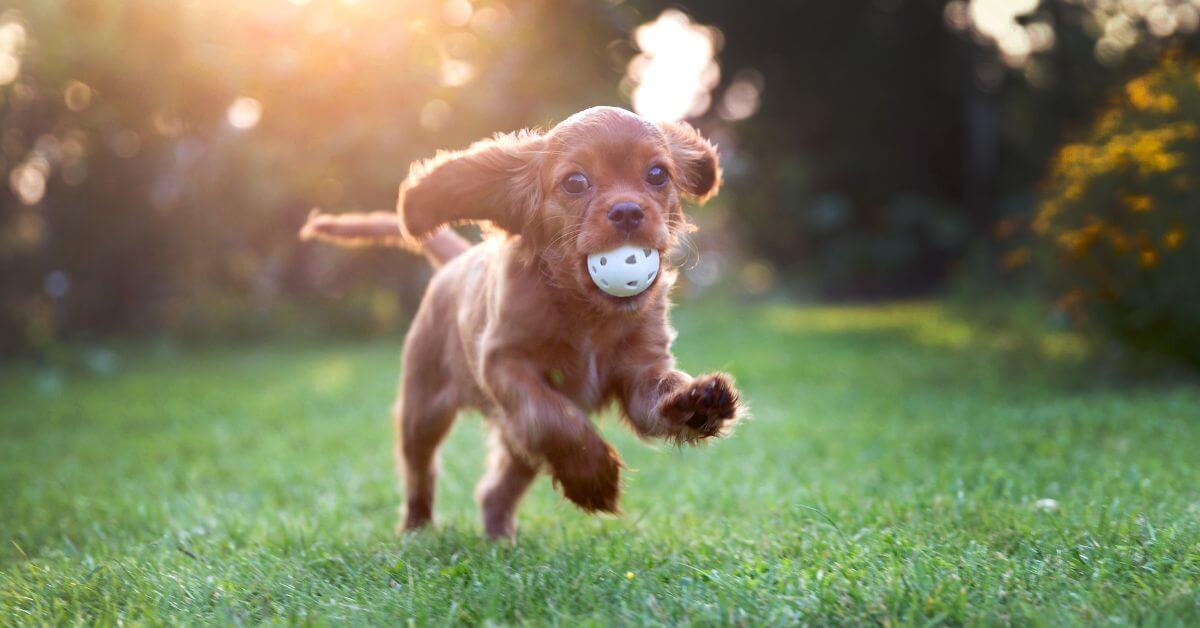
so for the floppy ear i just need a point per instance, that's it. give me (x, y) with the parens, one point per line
(697, 171)
(495, 180)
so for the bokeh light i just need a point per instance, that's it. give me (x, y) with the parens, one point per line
(456, 72)
(125, 143)
(28, 180)
(12, 40)
(457, 12)
(997, 21)
(77, 95)
(1020, 29)
(743, 96)
(244, 113)
(435, 115)
(675, 71)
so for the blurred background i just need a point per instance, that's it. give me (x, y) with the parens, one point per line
(159, 157)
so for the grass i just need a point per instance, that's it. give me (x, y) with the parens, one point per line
(897, 470)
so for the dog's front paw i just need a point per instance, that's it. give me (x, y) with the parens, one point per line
(706, 407)
(589, 474)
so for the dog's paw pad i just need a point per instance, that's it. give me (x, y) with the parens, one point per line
(705, 406)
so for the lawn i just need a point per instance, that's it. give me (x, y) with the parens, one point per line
(903, 465)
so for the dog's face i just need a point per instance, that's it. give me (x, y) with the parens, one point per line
(608, 181)
(601, 178)
(608, 178)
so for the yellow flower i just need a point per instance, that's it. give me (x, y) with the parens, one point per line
(1142, 97)
(1165, 162)
(1041, 222)
(1074, 242)
(1078, 241)
(1139, 202)
(629, 575)
(1145, 149)
(1139, 93)
(1173, 238)
(1109, 121)
(1073, 191)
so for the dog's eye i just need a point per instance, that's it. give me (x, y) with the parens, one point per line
(656, 176)
(575, 183)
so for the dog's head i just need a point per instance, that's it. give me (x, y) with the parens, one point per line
(601, 178)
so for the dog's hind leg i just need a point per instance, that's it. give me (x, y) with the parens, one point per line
(423, 417)
(502, 487)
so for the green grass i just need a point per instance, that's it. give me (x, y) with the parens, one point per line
(892, 473)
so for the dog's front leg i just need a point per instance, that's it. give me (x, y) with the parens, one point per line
(544, 427)
(662, 402)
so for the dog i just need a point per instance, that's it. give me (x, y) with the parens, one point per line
(515, 328)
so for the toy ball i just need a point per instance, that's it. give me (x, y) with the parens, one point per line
(624, 271)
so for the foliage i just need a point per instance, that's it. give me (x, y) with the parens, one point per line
(1120, 214)
(872, 109)
(159, 156)
(902, 466)
(861, 101)
(162, 155)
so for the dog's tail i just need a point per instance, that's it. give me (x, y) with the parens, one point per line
(381, 229)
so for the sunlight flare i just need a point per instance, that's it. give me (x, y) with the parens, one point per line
(676, 71)
(244, 113)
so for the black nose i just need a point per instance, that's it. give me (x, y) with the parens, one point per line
(626, 216)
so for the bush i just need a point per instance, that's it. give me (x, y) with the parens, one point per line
(1121, 215)
(158, 158)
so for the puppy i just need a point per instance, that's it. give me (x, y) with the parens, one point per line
(515, 328)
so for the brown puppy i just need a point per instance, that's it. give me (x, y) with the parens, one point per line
(514, 326)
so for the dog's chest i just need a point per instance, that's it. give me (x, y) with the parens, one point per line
(582, 372)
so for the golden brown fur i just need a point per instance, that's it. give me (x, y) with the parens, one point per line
(514, 327)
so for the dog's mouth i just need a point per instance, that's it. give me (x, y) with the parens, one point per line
(623, 274)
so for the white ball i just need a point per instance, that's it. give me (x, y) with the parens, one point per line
(624, 271)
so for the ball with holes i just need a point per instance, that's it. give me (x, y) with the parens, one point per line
(624, 271)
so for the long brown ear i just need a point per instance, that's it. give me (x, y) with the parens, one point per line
(697, 171)
(495, 180)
